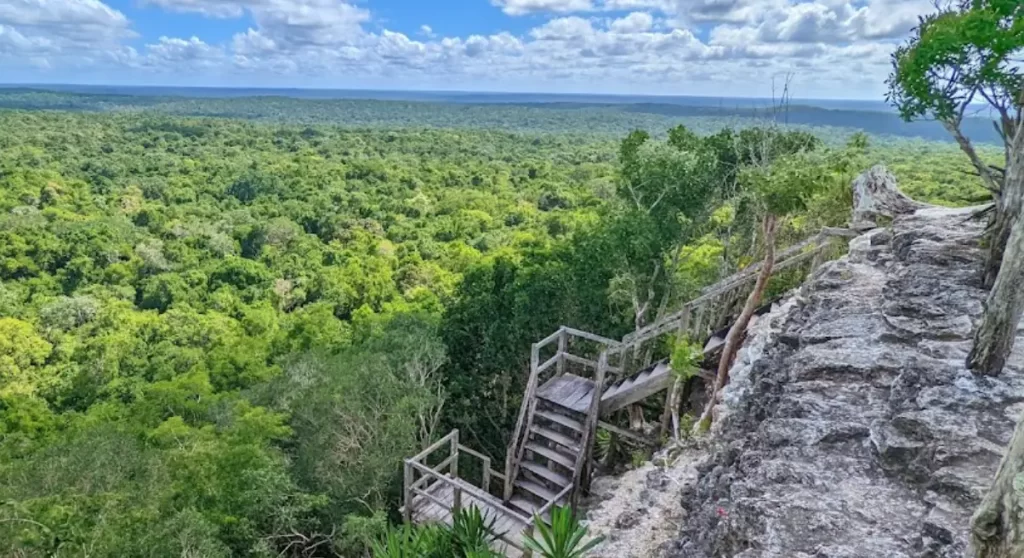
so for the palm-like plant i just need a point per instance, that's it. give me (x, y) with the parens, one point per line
(563, 538)
(472, 532)
(403, 542)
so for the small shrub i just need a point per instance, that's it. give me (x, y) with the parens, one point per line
(564, 538)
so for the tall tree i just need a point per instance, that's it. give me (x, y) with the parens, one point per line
(965, 57)
(780, 188)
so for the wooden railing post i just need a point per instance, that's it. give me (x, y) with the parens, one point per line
(487, 474)
(563, 347)
(590, 427)
(515, 447)
(408, 492)
(456, 501)
(454, 452)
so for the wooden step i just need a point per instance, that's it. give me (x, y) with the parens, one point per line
(619, 388)
(536, 489)
(658, 378)
(528, 507)
(553, 455)
(523, 505)
(560, 419)
(555, 437)
(558, 479)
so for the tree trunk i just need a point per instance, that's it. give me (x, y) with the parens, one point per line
(996, 529)
(994, 338)
(735, 336)
(1008, 208)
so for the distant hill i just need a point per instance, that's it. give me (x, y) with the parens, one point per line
(589, 114)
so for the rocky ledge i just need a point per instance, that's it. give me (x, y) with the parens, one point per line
(851, 428)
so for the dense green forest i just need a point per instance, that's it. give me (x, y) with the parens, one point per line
(594, 119)
(221, 337)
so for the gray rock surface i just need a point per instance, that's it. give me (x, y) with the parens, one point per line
(876, 194)
(851, 428)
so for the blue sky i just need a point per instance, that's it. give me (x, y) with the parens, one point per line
(831, 48)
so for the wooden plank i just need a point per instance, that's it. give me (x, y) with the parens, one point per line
(409, 505)
(549, 363)
(560, 419)
(469, 489)
(560, 497)
(549, 339)
(431, 497)
(659, 380)
(523, 505)
(635, 436)
(566, 390)
(559, 439)
(434, 447)
(579, 399)
(547, 474)
(552, 455)
(591, 337)
(787, 258)
(515, 447)
(536, 489)
(563, 348)
(580, 360)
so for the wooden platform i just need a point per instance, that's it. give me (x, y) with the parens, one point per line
(507, 526)
(574, 393)
(569, 391)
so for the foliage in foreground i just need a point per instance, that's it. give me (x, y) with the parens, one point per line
(471, 536)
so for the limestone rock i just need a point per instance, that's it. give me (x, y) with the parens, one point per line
(877, 194)
(851, 427)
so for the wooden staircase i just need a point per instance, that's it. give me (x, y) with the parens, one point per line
(554, 445)
(567, 395)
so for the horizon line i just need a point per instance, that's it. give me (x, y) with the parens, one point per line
(30, 85)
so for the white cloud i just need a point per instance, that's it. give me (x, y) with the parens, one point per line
(563, 28)
(44, 13)
(521, 7)
(46, 34)
(635, 22)
(194, 53)
(667, 46)
(14, 43)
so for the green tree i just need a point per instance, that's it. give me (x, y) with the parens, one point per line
(780, 188)
(22, 354)
(966, 52)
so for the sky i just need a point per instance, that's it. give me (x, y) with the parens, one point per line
(833, 49)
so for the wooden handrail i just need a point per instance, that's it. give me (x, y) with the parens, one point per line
(515, 447)
(474, 453)
(485, 498)
(590, 336)
(549, 363)
(435, 446)
(551, 503)
(580, 360)
(590, 426)
(549, 339)
(627, 434)
(451, 459)
(789, 257)
(441, 503)
(458, 486)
